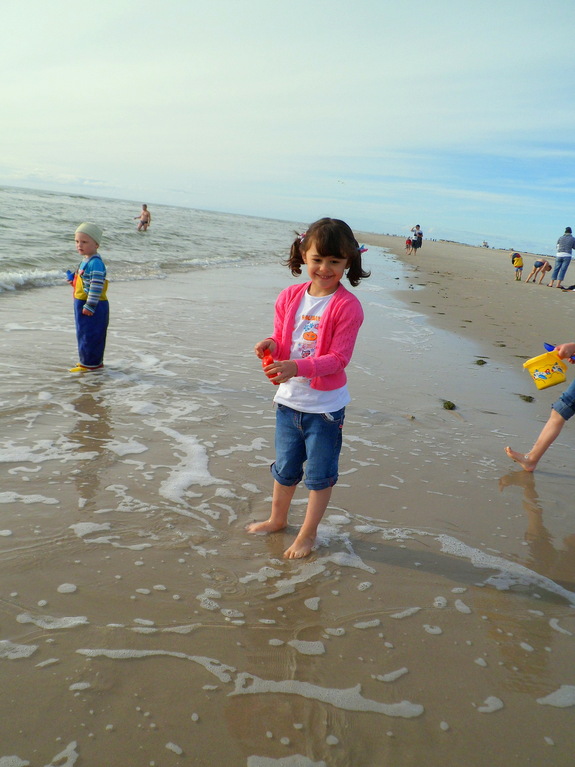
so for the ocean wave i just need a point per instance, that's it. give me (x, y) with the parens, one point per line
(28, 279)
(216, 262)
(33, 278)
(180, 239)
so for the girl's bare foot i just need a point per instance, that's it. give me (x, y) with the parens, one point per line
(264, 527)
(522, 459)
(301, 547)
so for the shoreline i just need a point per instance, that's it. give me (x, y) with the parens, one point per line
(471, 291)
(129, 581)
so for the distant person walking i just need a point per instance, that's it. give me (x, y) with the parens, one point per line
(565, 245)
(416, 237)
(517, 262)
(145, 219)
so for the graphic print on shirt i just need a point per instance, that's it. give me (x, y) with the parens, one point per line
(305, 344)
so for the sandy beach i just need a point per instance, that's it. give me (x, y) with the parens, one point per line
(139, 624)
(471, 291)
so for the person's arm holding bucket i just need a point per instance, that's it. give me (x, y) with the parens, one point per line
(561, 411)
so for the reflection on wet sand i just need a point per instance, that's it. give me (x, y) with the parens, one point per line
(90, 434)
(557, 563)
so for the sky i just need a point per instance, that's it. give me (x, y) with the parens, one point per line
(457, 116)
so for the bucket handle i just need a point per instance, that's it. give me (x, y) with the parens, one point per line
(551, 348)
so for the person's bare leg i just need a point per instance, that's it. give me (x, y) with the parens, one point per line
(281, 500)
(316, 506)
(548, 435)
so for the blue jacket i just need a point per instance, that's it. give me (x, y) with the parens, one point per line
(91, 282)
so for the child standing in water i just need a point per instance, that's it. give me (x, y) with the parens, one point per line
(315, 328)
(91, 309)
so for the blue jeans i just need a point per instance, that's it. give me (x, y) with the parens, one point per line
(312, 437)
(565, 405)
(561, 264)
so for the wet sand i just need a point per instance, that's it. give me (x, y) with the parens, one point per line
(139, 623)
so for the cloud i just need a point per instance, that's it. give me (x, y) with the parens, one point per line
(442, 110)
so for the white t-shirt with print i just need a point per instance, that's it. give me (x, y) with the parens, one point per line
(297, 392)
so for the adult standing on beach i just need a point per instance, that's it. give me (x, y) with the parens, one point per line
(145, 219)
(565, 245)
(417, 237)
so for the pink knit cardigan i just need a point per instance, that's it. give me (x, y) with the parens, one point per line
(337, 331)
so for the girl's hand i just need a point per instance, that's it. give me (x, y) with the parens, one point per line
(87, 312)
(261, 346)
(566, 351)
(281, 370)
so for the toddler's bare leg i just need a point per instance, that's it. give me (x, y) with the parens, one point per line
(281, 500)
(548, 435)
(316, 506)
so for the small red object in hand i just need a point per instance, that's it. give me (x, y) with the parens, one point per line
(267, 359)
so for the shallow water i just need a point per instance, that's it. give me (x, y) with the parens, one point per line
(139, 621)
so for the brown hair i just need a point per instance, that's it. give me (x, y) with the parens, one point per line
(331, 237)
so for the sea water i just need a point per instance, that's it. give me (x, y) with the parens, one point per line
(139, 623)
(37, 238)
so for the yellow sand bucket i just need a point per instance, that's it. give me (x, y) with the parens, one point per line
(546, 370)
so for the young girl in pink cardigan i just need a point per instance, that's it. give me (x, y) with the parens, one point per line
(315, 327)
